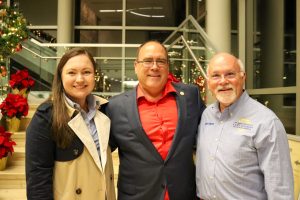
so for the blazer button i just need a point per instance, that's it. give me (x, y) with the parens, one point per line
(163, 186)
(111, 177)
(78, 191)
(75, 152)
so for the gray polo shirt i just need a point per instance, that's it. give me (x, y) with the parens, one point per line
(243, 153)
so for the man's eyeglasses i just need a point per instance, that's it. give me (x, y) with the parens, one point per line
(150, 62)
(227, 76)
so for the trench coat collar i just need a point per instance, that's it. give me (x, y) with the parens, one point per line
(102, 123)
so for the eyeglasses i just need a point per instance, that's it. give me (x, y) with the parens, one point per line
(227, 76)
(150, 62)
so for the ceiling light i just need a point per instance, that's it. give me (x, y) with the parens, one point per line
(134, 12)
(109, 11)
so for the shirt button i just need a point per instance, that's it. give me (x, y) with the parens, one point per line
(211, 177)
(212, 158)
(221, 122)
(78, 191)
(217, 139)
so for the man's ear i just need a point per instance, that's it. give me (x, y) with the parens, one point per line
(244, 79)
(209, 88)
(135, 66)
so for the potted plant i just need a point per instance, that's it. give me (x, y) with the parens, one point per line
(6, 146)
(21, 82)
(13, 107)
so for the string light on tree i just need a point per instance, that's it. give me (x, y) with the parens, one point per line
(13, 30)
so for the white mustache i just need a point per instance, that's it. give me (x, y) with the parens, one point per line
(227, 87)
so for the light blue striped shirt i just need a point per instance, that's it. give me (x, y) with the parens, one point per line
(243, 154)
(89, 117)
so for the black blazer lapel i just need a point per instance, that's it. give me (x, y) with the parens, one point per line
(182, 115)
(135, 122)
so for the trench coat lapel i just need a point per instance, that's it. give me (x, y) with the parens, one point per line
(103, 127)
(77, 124)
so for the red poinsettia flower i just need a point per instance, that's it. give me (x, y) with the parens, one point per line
(6, 144)
(14, 105)
(21, 79)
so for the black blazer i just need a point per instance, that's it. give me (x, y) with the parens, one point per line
(143, 174)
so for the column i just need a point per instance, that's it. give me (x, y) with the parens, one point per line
(218, 28)
(65, 22)
(218, 23)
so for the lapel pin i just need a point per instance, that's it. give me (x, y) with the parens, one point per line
(181, 93)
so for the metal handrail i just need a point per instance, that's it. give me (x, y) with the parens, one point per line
(197, 27)
(194, 57)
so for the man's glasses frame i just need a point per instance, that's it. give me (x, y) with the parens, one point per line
(227, 76)
(150, 62)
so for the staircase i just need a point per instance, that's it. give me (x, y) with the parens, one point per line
(12, 179)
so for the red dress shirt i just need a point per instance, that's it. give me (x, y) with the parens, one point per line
(159, 119)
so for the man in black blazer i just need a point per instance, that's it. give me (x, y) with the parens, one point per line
(154, 128)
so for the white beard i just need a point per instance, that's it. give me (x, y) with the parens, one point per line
(228, 97)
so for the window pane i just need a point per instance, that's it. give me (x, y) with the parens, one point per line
(112, 75)
(155, 12)
(36, 14)
(130, 79)
(274, 47)
(283, 106)
(101, 12)
(96, 36)
(138, 37)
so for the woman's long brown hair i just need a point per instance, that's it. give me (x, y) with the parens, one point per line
(61, 132)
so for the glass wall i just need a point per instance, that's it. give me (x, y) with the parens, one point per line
(281, 105)
(270, 39)
(274, 70)
(274, 44)
(114, 23)
(155, 13)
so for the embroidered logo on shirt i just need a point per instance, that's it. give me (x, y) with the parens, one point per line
(243, 123)
(209, 123)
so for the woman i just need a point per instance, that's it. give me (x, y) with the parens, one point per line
(67, 152)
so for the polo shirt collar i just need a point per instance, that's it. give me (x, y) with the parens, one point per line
(233, 107)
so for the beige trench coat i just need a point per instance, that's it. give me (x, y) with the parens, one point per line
(86, 177)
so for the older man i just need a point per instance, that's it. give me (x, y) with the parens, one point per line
(242, 148)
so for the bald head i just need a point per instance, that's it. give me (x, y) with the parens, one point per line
(225, 58)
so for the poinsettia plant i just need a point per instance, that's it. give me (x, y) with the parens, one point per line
(21, 79)
(14, 105)
(6, 143)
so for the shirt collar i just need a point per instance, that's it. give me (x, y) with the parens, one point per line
(93, 104)
(233, 107)
(169, 88)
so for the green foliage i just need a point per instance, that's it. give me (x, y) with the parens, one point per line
(13, 30)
